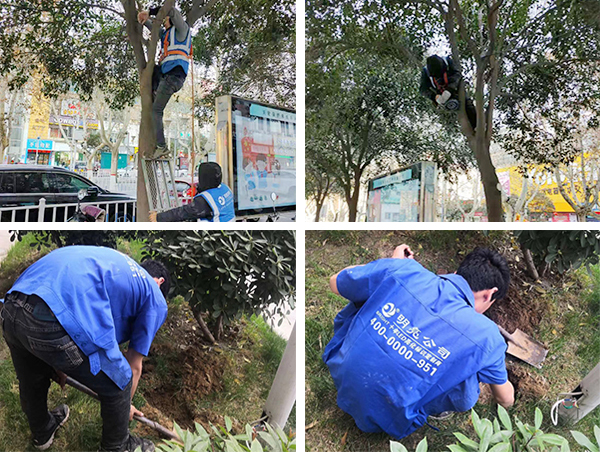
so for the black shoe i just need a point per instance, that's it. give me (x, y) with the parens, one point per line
(60, 415)
(133, 442)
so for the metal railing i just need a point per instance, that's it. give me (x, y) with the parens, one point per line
(115, 211)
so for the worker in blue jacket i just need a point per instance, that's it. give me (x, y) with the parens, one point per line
(411, 344)
(67, 315)
(213, 203)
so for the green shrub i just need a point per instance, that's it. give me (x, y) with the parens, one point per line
(504, 437)
(563, 250)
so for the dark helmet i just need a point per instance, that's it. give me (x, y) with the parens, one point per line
(209, 176)
(436, 66)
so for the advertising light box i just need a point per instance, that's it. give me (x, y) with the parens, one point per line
(258, 144)
(404, 195)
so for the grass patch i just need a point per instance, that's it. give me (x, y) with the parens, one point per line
(81, 432)
(252, 363)
(569, 330)
(20, 256)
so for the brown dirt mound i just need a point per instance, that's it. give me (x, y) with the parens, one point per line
(181, 369)
(523, 307)
(190, 373)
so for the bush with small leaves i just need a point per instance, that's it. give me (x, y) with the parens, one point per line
(562, 250)
(226, 274)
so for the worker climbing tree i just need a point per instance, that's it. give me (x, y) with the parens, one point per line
(170, 74)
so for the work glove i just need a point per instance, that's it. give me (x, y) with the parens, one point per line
(441, 99)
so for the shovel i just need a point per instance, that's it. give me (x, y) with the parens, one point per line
(155, 425)
(524, 347)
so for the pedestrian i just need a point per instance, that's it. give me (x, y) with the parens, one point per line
(214, 201)
(66, 316)
(170, 73)
(440, 80)
(411, 344)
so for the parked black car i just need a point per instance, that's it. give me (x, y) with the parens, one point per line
(25, 185)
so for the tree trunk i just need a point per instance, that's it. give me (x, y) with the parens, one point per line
(529, 263)
(219, 329)
(114, 165)
(147, 142)
(353, 200)
(318, 213)
(205, 331)
(489, 179)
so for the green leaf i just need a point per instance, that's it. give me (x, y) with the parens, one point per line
(488, 431)
(597, 434)
(456, 448)
(504, 417)
(476, 423)
(538, 418)
(256, 447)
(397, 447)
(502, 447)
(422, 446)
(466, 441)
(583, 440)
(228, 423)
(553, 439)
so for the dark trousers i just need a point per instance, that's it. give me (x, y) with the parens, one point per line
(471, 113)
(163, 87)
(39, 344)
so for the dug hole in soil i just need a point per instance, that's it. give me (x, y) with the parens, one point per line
(180, 371)
(523, 308)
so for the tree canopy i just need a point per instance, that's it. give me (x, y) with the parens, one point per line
(514, 55)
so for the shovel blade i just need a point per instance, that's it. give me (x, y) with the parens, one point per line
(532, 352)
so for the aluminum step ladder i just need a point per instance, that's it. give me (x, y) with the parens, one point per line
(160, 184)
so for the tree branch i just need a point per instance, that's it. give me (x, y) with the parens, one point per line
(198, 10)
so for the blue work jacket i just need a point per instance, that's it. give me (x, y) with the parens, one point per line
(409, 344)
(102, 298)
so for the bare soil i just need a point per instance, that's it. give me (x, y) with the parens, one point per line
(180, 370)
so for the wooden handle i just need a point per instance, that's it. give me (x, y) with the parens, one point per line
(510, 337)
(155, 425)
(505, 333)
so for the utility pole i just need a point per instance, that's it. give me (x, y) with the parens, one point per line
(587, 395)
(282, 395)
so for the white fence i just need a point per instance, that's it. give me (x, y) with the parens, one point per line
(125, 182)
(116, 211)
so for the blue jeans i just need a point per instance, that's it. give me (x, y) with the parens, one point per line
(39, 344)
(164, 86)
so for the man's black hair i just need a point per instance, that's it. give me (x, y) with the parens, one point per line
(436, 66)
(485, 269)
(158, 270)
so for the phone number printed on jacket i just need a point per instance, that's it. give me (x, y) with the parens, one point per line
(405, 339)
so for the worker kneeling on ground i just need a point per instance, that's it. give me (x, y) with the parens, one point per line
(411, 344)
(214, 201)
(67, 314)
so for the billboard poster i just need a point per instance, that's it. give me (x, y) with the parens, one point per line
(264, 155)
(404, 195)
